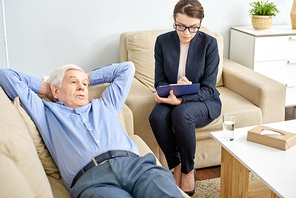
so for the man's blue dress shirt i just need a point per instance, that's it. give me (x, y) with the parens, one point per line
(74, 136)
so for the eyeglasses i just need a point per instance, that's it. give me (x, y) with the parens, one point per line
(183, 28)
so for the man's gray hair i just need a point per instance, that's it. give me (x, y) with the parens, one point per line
(56, 77)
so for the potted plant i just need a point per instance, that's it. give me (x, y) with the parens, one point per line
(262, 13)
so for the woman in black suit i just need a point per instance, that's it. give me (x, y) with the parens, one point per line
(185, 56)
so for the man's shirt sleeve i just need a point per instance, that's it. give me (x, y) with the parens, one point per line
(120, 76)
(26, 88)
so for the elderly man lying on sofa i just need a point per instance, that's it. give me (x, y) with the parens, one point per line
(94, 154)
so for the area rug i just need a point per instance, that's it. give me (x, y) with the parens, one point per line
(210, 188)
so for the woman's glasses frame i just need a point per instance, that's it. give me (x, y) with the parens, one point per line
(183, 28)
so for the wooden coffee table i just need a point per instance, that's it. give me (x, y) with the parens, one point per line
(275, 168)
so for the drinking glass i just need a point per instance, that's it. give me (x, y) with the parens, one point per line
(228, 126)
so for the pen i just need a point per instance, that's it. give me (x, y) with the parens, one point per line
(189, 82)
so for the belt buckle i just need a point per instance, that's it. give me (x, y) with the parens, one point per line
(94, 160)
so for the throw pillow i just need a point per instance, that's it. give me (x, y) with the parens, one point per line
(48, 164)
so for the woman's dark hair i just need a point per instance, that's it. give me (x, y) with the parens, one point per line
(191, 8)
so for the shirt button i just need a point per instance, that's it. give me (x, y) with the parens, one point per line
(90, 129)
(98, 141)
(84, 120)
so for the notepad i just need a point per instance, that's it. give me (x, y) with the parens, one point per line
(178, 89)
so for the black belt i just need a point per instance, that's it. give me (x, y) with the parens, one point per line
(96, 160)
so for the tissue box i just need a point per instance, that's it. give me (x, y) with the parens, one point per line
(281, 142)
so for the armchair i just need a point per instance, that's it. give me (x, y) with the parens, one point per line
(254, 98)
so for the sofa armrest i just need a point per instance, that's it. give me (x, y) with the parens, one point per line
(143, 147)
(128, 119)
(266, 93)
(141, 101)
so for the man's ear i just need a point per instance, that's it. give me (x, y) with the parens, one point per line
(55, 91)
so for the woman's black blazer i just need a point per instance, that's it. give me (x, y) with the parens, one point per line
(201, 67)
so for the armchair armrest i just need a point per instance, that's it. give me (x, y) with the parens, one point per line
(266, 93)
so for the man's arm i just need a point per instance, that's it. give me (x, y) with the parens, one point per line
(26, 88)
(120, 76)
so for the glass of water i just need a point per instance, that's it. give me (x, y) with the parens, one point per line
(228, 126)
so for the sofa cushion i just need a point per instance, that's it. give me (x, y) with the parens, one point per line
(13, 183)
(16, 144)
(58, 187)
(140, 50)
(43, 154)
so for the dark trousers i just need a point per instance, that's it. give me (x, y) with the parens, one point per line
(127, 177)
(174, 130)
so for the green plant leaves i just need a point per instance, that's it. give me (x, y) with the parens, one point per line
(263, 8)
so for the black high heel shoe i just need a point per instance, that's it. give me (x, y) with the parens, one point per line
(191, 193)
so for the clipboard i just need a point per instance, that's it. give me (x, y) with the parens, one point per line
(179, 89)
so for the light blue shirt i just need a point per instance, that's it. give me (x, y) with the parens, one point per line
(74, 136)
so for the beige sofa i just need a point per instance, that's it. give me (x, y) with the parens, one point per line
(254, 98)
(26, 168)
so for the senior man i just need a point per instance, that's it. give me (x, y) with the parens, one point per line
(94, 154)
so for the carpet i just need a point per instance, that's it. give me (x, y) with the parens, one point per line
(210, 188)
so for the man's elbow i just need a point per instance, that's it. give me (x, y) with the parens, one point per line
(131, 67)
(4, 73)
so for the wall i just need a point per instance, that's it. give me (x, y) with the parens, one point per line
(43, 34)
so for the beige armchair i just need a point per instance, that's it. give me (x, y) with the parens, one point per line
(254, 98)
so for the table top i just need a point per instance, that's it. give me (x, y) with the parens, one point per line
(275, 30)
(274, 167)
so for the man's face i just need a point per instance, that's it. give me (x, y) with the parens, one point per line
(73, 92)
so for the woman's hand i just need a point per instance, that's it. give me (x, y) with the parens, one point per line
(171, 99)
(184, 80)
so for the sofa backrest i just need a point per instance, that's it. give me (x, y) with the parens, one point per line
(21, 160)
(138, 47)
